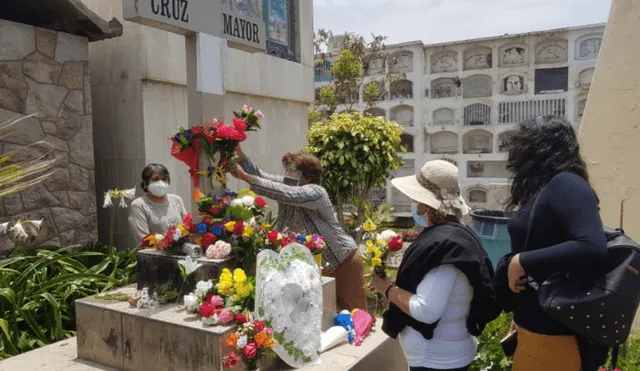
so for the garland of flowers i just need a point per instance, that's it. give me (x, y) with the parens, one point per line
(214, 137)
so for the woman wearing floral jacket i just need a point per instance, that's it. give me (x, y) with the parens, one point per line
(304, 207)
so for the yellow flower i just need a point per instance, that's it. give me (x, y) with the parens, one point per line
(308, 239)
(243, 290)
(225, 287)
(369, 226)
(226, 275)
(248, 231)
(183, 230)
(272, 343)
(370, 247)
(381, 244)
(266, 226)
(377, 254)
(239, 276)
(229, 226)
(376, 262)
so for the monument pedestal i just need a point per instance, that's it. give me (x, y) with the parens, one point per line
(114, 334)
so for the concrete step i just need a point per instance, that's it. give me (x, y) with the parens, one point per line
(166, 338)
(377, 352)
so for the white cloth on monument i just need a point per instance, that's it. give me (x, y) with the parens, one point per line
(443, 294)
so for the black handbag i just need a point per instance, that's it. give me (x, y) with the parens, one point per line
(600, 305)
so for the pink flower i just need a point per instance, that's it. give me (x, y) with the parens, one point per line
(219, 250)
(269, 331)
(232, 360)
(226, 316)
(247, 108)
(241, 318)
(259, 115)
(258, 325)
(250, 350)
(239, 124)
(230, 132)
(215, 300)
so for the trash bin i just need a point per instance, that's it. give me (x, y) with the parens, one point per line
(491, 227)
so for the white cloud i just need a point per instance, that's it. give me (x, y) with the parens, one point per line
(447, 20)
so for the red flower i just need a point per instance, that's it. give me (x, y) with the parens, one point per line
(286, 241)
(209, 239)
(239, 124)
(238, 228)
(207, 309)
(187, 220)
(197, 130)
(258, 325)
(395, 244)
(230, 132)
(207, 220)
(214, 210)
(226, 200)
(232, 360)
(241, 318)
(250, 350)
(261, 202)
(273, 236)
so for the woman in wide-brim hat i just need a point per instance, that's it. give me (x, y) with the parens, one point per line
(443, 295)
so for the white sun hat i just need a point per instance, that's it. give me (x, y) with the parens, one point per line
(436, 185)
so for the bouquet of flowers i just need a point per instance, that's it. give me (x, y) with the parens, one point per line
(214, 137)
(173, 239)
(276, 240)
(225, 302)
(251, 341)
(378, 246)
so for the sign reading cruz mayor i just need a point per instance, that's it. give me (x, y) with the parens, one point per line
(178, 16)
(245, 31)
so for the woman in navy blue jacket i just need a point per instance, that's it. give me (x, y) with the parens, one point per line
(566, 235)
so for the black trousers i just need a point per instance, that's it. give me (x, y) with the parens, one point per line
(433, 369)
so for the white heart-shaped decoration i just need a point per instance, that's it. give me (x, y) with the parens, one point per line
(289, 297)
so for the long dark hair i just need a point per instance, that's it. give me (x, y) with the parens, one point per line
(540, 149)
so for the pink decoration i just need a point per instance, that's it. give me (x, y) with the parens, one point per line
(226, 316)
(362, 322)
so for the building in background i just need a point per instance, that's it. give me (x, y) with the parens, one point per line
(459, 101)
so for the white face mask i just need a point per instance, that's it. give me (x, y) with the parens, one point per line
(158, 189)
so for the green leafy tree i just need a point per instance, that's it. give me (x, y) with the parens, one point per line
(358, 152)
(352, 72)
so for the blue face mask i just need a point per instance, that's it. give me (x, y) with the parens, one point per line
(421, 220)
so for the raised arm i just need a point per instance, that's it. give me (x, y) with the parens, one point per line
(574, 206)
(310, 196)
(252, 169)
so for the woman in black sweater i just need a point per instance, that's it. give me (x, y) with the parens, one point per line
(566, 235)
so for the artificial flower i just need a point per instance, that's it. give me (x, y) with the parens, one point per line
(207, 310)
(243, 290)
(183, 230)
(221, 250)
(202, 287)
(214, 299)
(262, 339)
(216, 230)
(369, 226)
(395, 244)
(259, 115)
(209, 239)
(258, 325)
(238, 228)
(232, 340)
(387, 235)
(226, 316)
(230, 132)
(248, 201)
(250, 350)
(247, 109)
(197, 195)
(248, 231)
(239, 124)
(189, 265)
(241, 318)
(239, 276)
(376, 262)
(230, 226)
(242, 342)
(215, 210)
(232, 360)
(260, 202)
(236, 202)
(273, 236)
(201, 228)
(191, 302)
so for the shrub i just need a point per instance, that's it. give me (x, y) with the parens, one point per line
(38, 289)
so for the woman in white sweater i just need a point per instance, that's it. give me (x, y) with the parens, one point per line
(443, 296)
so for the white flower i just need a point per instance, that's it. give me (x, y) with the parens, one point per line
(387, 235)
(236, 202)
(159, 237)
(191, 302)
(18, 231)
(259, 114)
(4, 227)
(242, 341)
(107, 200)
(211, 321)
(123, 203)
(248, 201)
(202, 287)
(129, 193)
(247, 108)
(189, 265)
(252, 222)
(33, 226)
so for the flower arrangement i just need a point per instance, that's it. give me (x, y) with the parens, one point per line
(214, 137)
(378, 246)
(174, 239)
(225, 302)
(252, 341)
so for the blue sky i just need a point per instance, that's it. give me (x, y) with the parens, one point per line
(433, 21)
